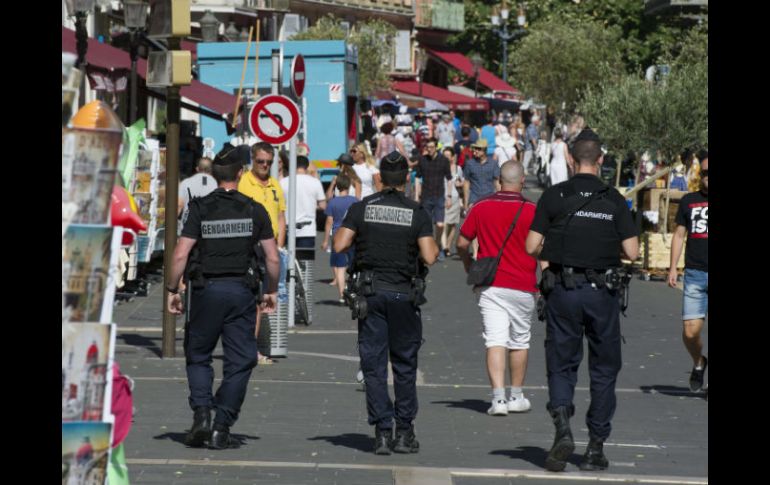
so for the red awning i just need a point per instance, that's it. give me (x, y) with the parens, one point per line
(462, 63)
(107, 57)
(453, 100)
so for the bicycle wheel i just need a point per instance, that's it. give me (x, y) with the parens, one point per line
(299, 292)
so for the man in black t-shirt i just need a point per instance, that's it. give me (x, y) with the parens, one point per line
(436, 195)
(692, 219)
(390, 233)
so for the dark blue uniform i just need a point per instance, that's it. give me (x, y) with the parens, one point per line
(584, 223)
(387, 227)
(227, 226)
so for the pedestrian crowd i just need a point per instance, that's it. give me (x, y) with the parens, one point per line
(431, 185)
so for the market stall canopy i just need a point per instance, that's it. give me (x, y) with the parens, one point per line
(486, 78)
(498, 104)
(219, 103)
(433, 105)
(449, 99)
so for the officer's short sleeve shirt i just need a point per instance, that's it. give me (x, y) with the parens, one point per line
(582, 246)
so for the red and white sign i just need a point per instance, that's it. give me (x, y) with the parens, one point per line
(298, 75)
(274, 119)
(335, 93)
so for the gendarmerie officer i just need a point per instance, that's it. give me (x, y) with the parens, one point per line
(585, 225)
(391, 235)
(223, 232)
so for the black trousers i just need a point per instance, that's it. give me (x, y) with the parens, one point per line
(570, 314)
(393, 327)
(225, 308)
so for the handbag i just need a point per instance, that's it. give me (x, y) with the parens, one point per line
(482, 271)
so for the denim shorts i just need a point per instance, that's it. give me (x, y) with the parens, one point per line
(696, 294)
(341, 260)
(435, 207)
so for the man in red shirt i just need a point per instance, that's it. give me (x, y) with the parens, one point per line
(508, 305)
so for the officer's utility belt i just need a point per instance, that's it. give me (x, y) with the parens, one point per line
(224, 277)
(399, 288)
(367, 283)
(251, 278)
(569, 276)
(614, 279)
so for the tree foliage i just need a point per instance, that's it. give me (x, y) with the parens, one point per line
(642, 39)
(557, 62)
(373, 40)
(669, 116)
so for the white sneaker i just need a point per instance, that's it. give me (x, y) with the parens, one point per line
(498, 408)
(518, 405)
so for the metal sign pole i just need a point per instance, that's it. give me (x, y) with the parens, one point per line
(292, 222)
(275, 88)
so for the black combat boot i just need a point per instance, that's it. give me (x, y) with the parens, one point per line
(383, 437)
(563, 445)
(405, 441)
(201, 428)
(220, 438)
(594, 458)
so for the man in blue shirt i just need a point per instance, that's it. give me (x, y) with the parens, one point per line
(488, 132)
(530, 141)
(482, 175)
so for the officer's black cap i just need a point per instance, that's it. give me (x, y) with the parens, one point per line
(393, 162)
(346, 159)
(587, 134)
(229, 155)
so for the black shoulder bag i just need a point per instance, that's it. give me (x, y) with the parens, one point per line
(482, 271)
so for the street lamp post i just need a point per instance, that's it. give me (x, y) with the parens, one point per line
(476, 61)
(80, 10)
(135, 18)
(503, 33)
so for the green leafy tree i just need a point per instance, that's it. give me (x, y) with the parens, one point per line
(665, 117)
(668, 116)
(373, 40)
(557, 62)
(642, 39)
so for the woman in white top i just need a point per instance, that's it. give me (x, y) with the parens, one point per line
(558, 158)
(506, 148)
(452, 214)
(366, 170)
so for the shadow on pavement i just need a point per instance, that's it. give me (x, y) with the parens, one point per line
(534, 455)
(357, 441)
(674, 391)
(473, 404)
(238, 440)
(141, 341)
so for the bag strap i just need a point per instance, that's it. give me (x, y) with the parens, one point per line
(583, 202)
(510, 230)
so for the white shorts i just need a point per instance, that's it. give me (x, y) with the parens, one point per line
(507, 315)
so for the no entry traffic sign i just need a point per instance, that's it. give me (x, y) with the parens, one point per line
(274, 119)
(298, 75)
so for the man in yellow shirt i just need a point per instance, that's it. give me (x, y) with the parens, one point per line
(260, 186)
